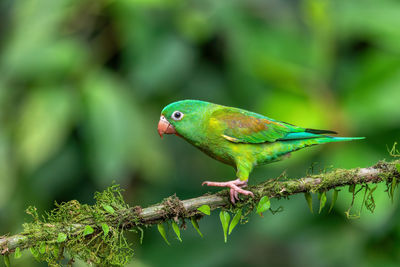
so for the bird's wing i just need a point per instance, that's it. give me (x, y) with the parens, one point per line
(240, 126)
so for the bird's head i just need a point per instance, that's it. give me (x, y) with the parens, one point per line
(182, 118)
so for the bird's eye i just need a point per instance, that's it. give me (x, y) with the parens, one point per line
(177, 115)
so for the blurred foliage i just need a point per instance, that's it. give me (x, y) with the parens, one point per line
(82, 84)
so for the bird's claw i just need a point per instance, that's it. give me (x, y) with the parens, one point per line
(235, 188)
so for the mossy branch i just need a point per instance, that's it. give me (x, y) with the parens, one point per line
(93, 232)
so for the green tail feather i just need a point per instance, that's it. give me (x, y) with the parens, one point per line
(328, 139)
(277, 150)
(296, 144)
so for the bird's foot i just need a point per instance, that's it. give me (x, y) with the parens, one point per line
(235, 188)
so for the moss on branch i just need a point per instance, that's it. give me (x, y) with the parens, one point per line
(95, 233)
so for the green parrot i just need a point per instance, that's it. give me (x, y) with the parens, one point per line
(238, 137)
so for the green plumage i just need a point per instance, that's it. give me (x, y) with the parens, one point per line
(241, 138)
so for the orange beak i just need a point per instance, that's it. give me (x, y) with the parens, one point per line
(164, 127)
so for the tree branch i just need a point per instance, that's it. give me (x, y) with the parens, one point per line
(173, 208)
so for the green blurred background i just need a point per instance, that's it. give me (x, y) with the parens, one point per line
(82, 84)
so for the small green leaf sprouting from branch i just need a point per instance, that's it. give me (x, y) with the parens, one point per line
(163, 233)
(176, 230)
(394, 152)
(205, 209)
(7, 260)
(196, 226)
(17, 253)
(263, 205)
(61, 237)
(235, 220)
(105, 228)
(322, 201)
(108, 208)
(308, 197)
(88, 230)
(225, 218)
(334, 198)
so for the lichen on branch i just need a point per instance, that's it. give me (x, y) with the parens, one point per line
(95, 233)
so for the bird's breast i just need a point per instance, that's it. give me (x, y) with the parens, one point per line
(214, 147)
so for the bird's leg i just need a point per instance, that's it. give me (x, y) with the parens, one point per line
(235, 188)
